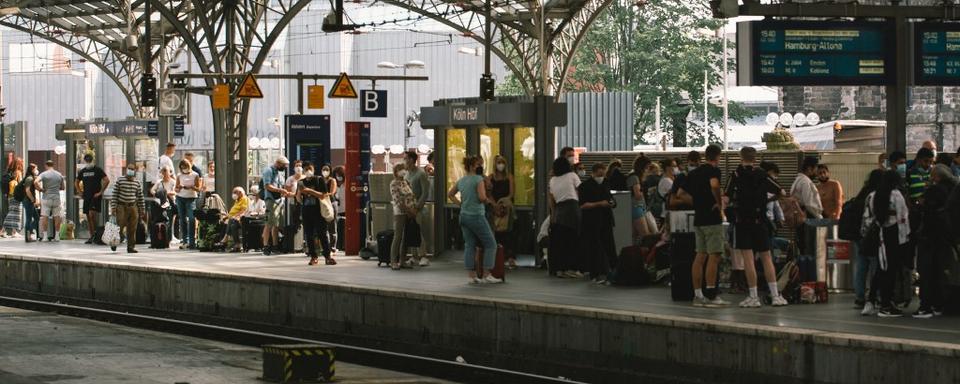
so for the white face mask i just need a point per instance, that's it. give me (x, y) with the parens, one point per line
(185, 171)
(571, 160)
(308, 174)
(599, 180)
(131, 173)
(339, 179)
(325, 173)
(236, 196)
(298, 170)
(582, 173)
(402, 173)
(501, 167)
(36, 172)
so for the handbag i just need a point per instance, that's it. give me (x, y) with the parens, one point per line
(411, 233)
(111, 233)
(326, 210)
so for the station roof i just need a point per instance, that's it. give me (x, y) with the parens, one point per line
(102, 20)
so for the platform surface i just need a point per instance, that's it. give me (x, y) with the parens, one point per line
(447, 276)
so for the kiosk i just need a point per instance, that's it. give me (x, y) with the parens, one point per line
(113, 144)
(522, 130)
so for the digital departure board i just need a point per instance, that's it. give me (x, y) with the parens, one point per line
(936, 54)
(773, 52)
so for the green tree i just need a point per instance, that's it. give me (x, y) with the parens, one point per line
(659, 48)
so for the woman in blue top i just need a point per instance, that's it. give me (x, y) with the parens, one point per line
(473, 221)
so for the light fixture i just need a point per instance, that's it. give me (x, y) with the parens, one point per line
(468, 51)
(275, 143)
(415, 64)
(254, 143)
(423, 149)
(396, 149)
(378, 149)
(387, 65)
(74, 130)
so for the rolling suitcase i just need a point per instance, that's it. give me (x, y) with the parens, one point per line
(499, 269)
(384, 242)
(252, 235)
(682, 252)
(288, 239)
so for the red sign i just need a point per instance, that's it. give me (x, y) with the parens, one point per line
(355, 173)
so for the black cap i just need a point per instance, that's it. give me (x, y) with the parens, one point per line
(88, 157)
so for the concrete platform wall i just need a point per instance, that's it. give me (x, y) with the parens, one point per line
(578, 343)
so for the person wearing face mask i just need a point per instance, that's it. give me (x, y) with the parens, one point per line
(570, 154)
(919, 175)
(210, 180)
(30, 204)
(326, 175)
(404, 210)
(291, 184)
(187, 188)
(127, 205)
(271, 186)
(470, 194)
(339, 204)
(420, 185)
(232, 219)
(597, 243)
(90, 184)
(501, 188)
(311, 191)
(831, 193)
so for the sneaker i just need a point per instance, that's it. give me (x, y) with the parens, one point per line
(572, 274)
(923, 313)
(266, 250)
(869, 309)
(937, 311)
(475, 280)
(53, 240)
(859, 303)
(890, 311)
(424, 262)
(88, 242)
(718, 302)
(750, 302)
(701, 302)
(779, 301)
(492, 280)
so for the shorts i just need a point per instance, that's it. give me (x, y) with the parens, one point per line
(751, 236)
(92, 204)
(273, 210)
(50, 207)
(709, 239)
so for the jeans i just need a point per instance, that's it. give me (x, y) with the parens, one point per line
(185, 216)
(861, 271)
(476, 232)
(31, 218)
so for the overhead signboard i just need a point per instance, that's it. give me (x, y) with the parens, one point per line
(315, 97)
(373, 103)
(221, 96)
(249, 88)
(343, 88)
(173, 102)
(936, 54)
(775, 52)
(123, 128)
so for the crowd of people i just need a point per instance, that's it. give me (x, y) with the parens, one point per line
(902, 220)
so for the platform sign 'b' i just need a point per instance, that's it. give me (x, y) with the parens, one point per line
(373, 103)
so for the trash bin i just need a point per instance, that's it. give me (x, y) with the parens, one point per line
(839, 266)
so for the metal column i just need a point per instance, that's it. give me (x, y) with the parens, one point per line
(896, 136)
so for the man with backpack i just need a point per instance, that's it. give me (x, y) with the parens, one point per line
(90, 183)
(273, 194)
(747, 189)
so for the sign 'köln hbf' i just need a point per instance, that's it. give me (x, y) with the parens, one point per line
(772, 52)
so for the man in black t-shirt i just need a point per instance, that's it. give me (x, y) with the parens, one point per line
(748, 188)
(90, 183)
(596, 205)
(703, 184)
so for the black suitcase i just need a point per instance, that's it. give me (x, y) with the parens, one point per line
(158, 236)
(682, 252)
(252, 234)
(384, 243)
(141, 233)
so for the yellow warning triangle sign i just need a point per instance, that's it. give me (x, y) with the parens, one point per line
(249, 88)
(343, 88)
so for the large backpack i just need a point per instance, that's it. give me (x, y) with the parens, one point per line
(746, 192)
(851, 219)
(20, 191)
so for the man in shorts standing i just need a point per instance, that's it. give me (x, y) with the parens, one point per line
(273, 194)
(51, 183)
(748, 189)
(91, 182)
(703, 184)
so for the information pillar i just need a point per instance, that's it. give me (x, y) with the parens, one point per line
(357, 172)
